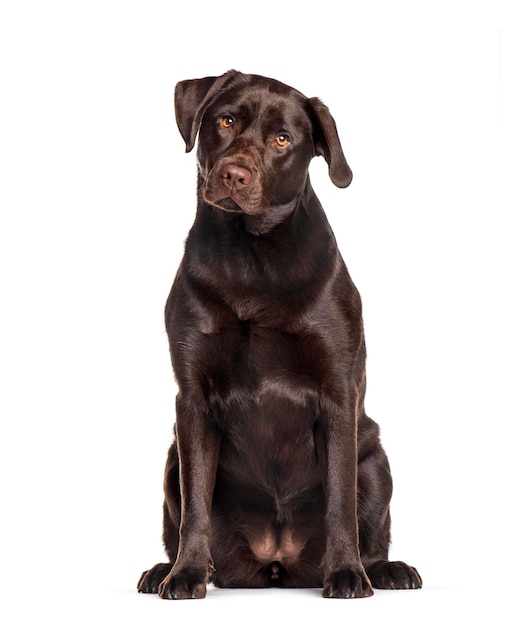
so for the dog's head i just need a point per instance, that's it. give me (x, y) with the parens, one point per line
(257, 137)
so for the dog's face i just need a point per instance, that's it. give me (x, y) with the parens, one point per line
(257, 137)
(255, 146)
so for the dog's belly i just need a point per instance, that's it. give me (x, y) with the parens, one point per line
(269, 491)
(268, 443)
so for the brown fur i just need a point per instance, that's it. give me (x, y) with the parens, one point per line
(277, 476)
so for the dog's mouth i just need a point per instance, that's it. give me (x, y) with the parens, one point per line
(227, 204)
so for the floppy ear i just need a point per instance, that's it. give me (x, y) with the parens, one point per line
(191, 100)
(327, 143)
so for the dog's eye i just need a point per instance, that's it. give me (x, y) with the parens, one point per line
(227, 121)
(282, 140)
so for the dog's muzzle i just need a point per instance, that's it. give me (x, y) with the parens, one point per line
(234, 185)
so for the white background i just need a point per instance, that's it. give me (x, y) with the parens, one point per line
(97, 196)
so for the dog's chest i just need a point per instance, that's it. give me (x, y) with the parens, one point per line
(263, 390)
(263, 366)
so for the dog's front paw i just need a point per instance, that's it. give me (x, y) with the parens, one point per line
(394, 575)
(186, 584)
(347, 583)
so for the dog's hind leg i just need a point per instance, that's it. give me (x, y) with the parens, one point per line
(374, 494)
(172, 505)
(151, 579)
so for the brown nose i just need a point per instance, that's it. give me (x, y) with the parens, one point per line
(235, 177)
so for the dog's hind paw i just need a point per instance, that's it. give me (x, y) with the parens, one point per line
(151, 579)
(394, 575)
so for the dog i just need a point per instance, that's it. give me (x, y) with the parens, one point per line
(276, 477)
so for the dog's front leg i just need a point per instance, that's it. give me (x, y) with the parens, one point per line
(344, 575)
(198, 446)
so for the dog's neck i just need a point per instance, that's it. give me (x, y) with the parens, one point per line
(263, 224)
(250, 269)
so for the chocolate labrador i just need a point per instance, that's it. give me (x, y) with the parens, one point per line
(277, 476)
